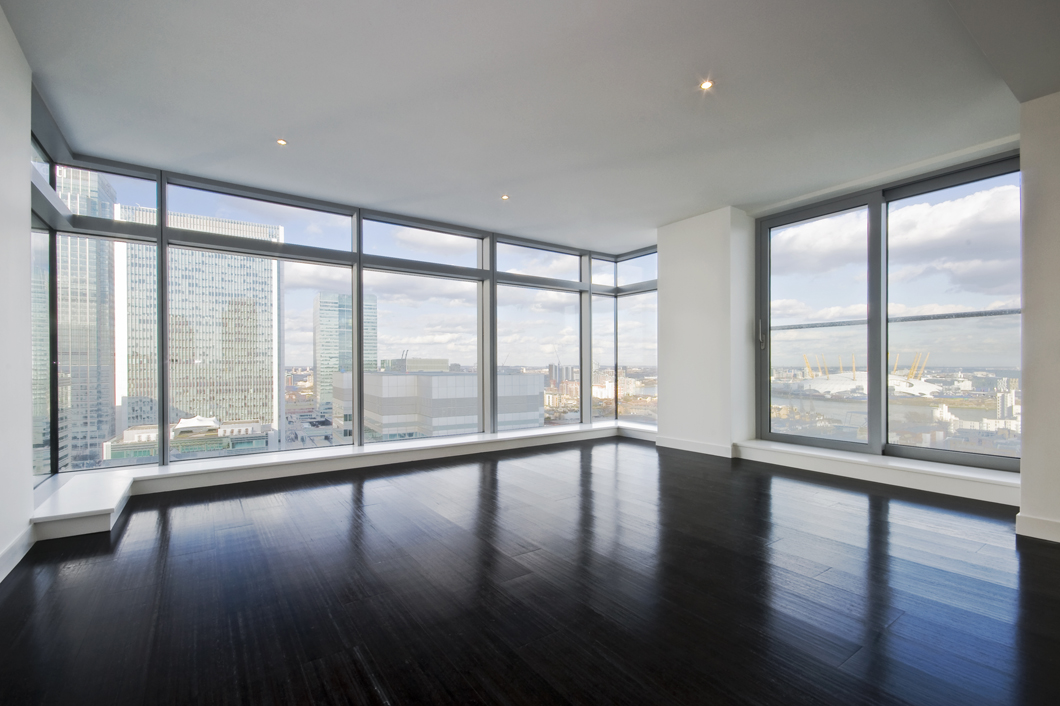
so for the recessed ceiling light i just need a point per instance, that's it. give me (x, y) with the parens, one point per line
(504, 198)
(281, 141)
(706, 84)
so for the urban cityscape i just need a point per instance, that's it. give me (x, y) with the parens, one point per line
(260, 353)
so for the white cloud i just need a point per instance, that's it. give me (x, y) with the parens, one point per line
(820, 245)
(896, 309)
(973, 242)
(416, 240)
(325, 278)
(787, 310)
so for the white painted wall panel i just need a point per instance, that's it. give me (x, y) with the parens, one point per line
(16, 480)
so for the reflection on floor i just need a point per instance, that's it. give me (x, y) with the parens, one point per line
(596, 572)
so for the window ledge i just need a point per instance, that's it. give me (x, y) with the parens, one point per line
(90, 501)
(962, 481)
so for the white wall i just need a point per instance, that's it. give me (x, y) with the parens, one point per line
(16, 481)
(706, 332)
(1040, 466)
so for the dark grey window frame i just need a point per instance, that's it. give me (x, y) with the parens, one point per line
(51, 214)
(876, 201)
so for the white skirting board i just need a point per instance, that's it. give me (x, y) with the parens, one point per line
(1038, 527)
(699, 447)
(15, 551)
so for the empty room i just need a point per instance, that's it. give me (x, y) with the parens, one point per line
(529, 353)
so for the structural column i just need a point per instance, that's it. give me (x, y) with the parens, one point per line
(1040, 465)
(706, 332)
(16, 429)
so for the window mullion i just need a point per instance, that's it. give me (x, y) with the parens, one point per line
(877, 300)
(162, 278)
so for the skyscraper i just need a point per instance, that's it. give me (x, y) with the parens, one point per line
(332, 343)
(371, 333)
(40, 346)
(86, 347)
(222, 321)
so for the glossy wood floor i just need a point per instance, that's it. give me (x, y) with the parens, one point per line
(604, 572)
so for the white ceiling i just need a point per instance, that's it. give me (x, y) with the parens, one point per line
(586, 112)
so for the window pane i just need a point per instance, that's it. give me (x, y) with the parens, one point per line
(38, 160)
(819, 319)
(222, 354)
(604, 273)
(954, 322)
(418, 244)
(638, 359)
(110, 196)
(40, 346)
(223, 214)
(603, 358)
(317, 352)
(420, 357)
(108, 364)
(539, 376)
(539, 263)
(639, 269)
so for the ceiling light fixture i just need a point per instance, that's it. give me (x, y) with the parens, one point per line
(706, 84)
(281, 141)
(504, 198)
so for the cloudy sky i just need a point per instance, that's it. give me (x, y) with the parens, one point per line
(949, 251)
(536, 327)
(301, 226)
(301, 284)
(418, 244)
(429, 317)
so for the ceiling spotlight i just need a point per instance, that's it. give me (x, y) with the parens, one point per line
(706, 84)
(504, 198)
(281, 141)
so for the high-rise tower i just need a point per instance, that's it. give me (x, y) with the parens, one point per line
(332, 343)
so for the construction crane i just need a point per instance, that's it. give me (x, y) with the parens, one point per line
(924, 365)
(912, 368)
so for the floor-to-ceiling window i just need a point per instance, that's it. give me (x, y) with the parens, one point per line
(893, 317)
(242, 321)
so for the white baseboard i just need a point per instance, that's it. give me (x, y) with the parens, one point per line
(1037, 527)
(992, 486)
(637, 433)
(15, 551)
(700, 447)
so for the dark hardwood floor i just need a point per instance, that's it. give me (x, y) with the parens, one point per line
(603, 572)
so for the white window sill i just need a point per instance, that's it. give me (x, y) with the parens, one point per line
(963, 481)
(91, 501)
